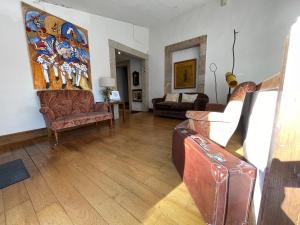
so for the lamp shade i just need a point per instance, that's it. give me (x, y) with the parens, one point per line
(107, 82)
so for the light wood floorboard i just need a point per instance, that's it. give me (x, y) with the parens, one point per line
(97, 175)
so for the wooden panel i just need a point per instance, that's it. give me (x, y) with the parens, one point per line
(14, 195)
(21, 137)
(282, 202)
(22, 214)
(53, 215)
(102, 176)
(271, 83)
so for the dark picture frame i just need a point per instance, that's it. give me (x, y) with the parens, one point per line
(136, 78)
(185, 74)
(137, 95)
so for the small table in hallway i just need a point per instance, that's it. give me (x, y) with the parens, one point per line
(112, 103)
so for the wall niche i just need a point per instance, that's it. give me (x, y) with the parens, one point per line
(172, 53)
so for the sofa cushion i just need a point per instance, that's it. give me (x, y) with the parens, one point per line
(172, 98)
(164, 105)
(79, 119)
(190, 98)
(183, 106)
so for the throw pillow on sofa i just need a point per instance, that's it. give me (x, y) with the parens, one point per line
(172, 98)
(189, 98)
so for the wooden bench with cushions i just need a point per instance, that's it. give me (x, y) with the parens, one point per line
(64, 109)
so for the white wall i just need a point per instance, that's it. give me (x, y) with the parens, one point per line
(18, 100)
(262, 25)
(186, 54)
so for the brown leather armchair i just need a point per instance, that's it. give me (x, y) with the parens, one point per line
(220, 126)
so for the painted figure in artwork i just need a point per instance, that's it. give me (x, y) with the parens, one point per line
(59, 48)
(45, 53)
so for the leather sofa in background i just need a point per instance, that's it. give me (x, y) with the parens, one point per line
(178, 109)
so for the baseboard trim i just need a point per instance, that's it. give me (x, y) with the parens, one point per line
(21, 137)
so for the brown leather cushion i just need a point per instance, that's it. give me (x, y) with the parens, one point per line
(164, 105)
(184, 106)
(79, 119)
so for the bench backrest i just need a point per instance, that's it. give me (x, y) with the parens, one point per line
(67, 102)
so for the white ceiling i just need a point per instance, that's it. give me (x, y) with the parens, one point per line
(147, 13)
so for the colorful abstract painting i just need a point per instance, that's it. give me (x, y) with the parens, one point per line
(58, 51)
(185, 74)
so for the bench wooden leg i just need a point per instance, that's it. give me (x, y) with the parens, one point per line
(49, 135)
(111, 123)
(56, 138)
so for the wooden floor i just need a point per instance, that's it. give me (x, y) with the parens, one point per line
(101, 176)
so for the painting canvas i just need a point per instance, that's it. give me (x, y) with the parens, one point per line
(58, 51)
(137, 95)
(185, 74)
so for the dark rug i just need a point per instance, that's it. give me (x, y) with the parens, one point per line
(12, 172)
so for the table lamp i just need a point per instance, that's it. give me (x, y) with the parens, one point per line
(108, 83)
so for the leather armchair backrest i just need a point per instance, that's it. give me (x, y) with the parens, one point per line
(235, 104)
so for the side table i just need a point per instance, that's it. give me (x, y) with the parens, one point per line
(120, 103)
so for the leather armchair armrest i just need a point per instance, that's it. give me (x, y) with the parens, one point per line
(101, 107)
(200, 103)
(215, 107)
(157, 100)
(207, 116)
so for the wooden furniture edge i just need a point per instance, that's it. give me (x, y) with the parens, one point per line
(271, 83)
(21, 137)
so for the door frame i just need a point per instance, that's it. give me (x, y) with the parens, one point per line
(113, 46)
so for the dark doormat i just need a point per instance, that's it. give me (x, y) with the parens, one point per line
(12, 172)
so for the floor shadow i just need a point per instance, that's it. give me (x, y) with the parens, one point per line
(282, 194)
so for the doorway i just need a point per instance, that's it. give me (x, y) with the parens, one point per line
(137, 62)
(129, 76)
(122, 84)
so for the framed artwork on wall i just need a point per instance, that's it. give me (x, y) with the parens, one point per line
(185, 74)
(137, 95)
(136, 78)
(115, 96)
(58, 51)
